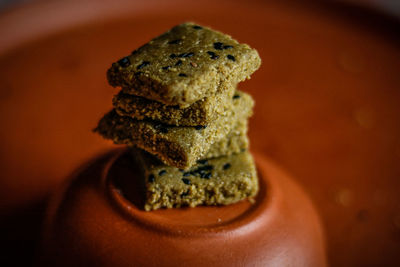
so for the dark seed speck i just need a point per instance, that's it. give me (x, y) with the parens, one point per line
(151, 178)
(186, 174)
(173, 56)
(230, 57)
(186, 181)
(200, 127)
(189, 54)
(205, 175)
(185, 194)
(144, 64)
(178, 63)
(177, 41)
(202, 170)
(227, 47)
(182, 75)
(124, 62)
(162, 172)
(227, 166)
(207, 167)
(197, 27)
(138, 73)
(166, 67)
(212, 55)
(202, 161)
(218, 45)
(236, 96)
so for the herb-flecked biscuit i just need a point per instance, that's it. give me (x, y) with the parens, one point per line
(178, 146)
(219, 181)
(184, 65)
(200, 112)
(235, 142)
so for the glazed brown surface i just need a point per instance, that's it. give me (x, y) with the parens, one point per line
(98, 220)
(326, 109)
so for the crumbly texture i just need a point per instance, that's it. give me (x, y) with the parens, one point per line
(219, 181)
(235, 142)
(178, 146)
(184, 65)
(201, 112)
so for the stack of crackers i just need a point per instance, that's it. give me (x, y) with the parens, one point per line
(180, 112)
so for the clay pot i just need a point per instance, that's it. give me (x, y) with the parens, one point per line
(97, 220)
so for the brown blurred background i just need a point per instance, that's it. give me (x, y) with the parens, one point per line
(327, 105)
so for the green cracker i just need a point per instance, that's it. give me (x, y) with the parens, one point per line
(219, 181)
(200, 112)
(178, 146)
(184, 65)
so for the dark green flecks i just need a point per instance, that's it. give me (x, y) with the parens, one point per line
(212, 55)
(186, 181)
(177, 41)
(124, 62)
(207, 175)
(236, 96)
(202, 171)
(144, 64)
(197, 27)
(202, 161)
(151, 178)
(226, 166)
(138, 73)
(218, 45)
(184, 55)
(204, 168)
(185, 194)
(162, 172)
(189, 54)
(166, 67)
(230, 57)
(200, 127)
(182, 75)
(178, 63)
(221, 46)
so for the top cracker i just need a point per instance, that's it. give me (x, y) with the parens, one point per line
(184, 65)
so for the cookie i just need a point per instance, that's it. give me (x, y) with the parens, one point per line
(200, 112)
(178, 146)
(219, 181)
(184, 65)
